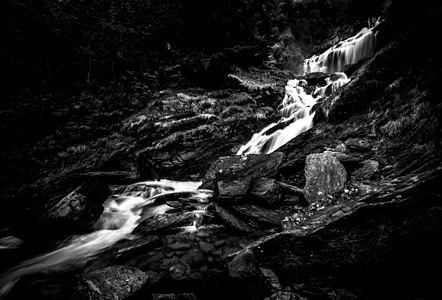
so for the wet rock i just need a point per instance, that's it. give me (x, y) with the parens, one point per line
(115, 282)
(80, 209)
(232, 220)
(193, 258)
(266, 190)
(206, 247)
(179, 246)
(129, 248)
(164, 223)
(316, 78)
(368, 170)
(324, 176)
(232, 190)
(257, 165)
(260, 214)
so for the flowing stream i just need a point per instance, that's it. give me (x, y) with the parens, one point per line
(122, 213)
(124, 210)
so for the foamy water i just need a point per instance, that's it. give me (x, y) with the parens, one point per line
(122, 214)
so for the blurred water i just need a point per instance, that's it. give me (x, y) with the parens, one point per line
(122, 213)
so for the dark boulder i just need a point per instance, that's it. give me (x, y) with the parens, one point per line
(80, 209)
(163, 223)
(324, 176)
(266, 190)
(256, 165)
(232, 189)
(233, 220)
(260, 214)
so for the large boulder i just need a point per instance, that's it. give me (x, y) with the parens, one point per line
(256, 165)
(80, 209)
(325, 175)
(232, 189)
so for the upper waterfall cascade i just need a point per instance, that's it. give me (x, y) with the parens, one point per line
(295, 109)
(346, 52)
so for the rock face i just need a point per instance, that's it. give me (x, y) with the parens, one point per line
(81, 208)
(324, 176)
(115, 282)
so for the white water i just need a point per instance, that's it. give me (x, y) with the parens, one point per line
(296, 119)
(346, 52)
(339, 79)
(122, 213)
(296, 105)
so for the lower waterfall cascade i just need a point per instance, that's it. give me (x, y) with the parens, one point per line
(123, 211)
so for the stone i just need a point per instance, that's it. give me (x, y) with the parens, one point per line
(206, 247)
(266, 190)
(179, 246)
(163, 223)
(257, 165)
(114, 282)
(203, 268)
(154, 258)
(232, 190)
(220, 243)
(80, 209)
(245, 266)
(232, 220)
(325, 175)
(260, 214)
(202, 234)
(193, 258)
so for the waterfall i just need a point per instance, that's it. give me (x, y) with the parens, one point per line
(346, 52)
(295, 109)
(334, 82)
(296, 119)
(122, 214)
